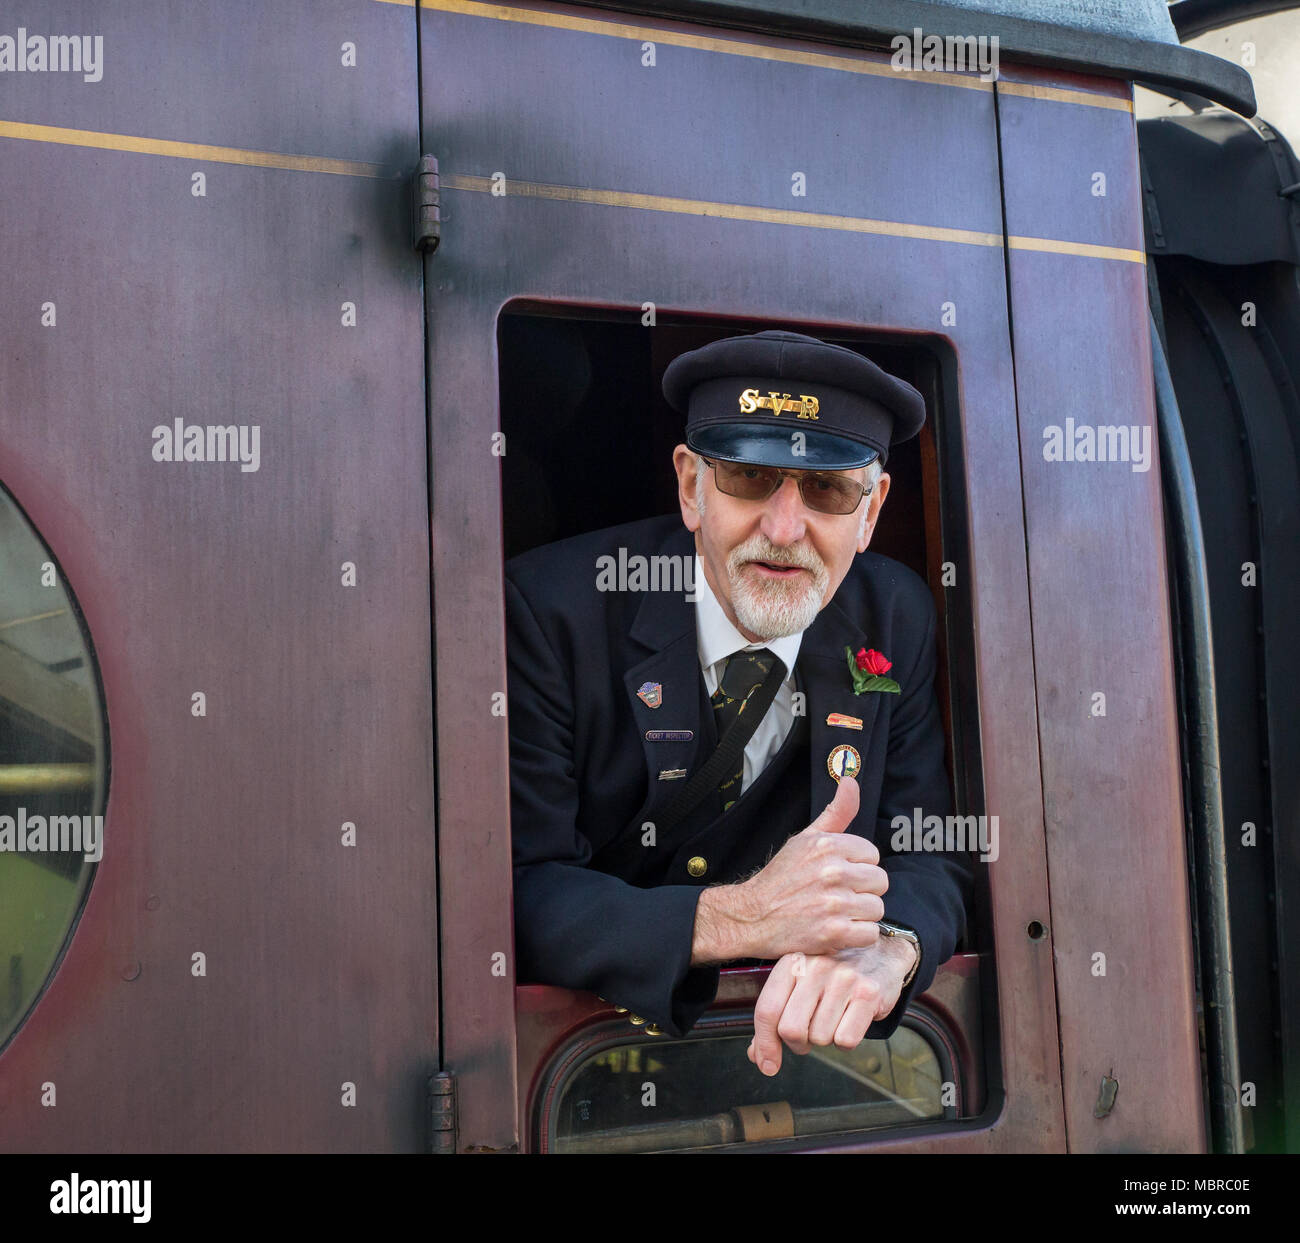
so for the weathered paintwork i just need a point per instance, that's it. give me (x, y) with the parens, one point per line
(670, 185)
(1111, 784)
(223, 833)
(626, 183)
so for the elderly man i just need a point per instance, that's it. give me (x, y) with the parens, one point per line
(706, 778)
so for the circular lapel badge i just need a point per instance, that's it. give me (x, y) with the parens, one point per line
(844, 761)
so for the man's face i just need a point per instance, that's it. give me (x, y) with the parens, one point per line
(772, 564)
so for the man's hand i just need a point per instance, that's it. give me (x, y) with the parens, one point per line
(826, 999)
(820, 893)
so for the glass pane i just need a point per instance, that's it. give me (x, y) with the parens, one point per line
(703, 1092)
(51, 766)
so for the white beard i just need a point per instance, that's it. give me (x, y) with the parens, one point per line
(770, 608)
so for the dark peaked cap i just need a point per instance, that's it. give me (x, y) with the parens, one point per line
(849, 410)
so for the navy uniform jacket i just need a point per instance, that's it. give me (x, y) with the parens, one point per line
(595, 909)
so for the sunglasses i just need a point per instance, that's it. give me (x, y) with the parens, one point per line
(826, 493)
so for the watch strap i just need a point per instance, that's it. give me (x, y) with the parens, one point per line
(891, 929)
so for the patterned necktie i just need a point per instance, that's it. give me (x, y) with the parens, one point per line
(742, 675)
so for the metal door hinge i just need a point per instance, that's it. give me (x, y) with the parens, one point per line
(427, 221)
(442, 1112)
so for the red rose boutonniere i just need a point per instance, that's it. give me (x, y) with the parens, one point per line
(867, 669)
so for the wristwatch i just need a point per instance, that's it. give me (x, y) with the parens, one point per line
(908, 934)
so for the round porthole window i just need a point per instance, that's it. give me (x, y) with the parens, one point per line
(52, 766)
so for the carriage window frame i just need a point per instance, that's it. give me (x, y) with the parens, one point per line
(591, 1042)
(942, 501)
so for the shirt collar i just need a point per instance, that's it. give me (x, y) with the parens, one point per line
(718, 638)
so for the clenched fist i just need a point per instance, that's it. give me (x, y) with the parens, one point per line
(827, 999)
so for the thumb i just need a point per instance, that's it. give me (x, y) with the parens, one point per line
(843, 807)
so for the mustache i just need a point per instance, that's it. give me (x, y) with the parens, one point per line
(760, 548)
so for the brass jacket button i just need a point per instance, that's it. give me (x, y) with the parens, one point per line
(697, 866)
(636, 1020)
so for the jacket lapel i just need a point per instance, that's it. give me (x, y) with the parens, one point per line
(667, 666)
(829, 687)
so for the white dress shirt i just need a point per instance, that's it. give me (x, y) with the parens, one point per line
(717, 639)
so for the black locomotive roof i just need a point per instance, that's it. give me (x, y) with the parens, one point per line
(1131, 39)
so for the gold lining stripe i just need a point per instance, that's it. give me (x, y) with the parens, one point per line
(726, 211)
(759, 51)
(1088, 250)
(1030, 90)
(545, 190)
(704, 43)
(192, 150)
(774, 215)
